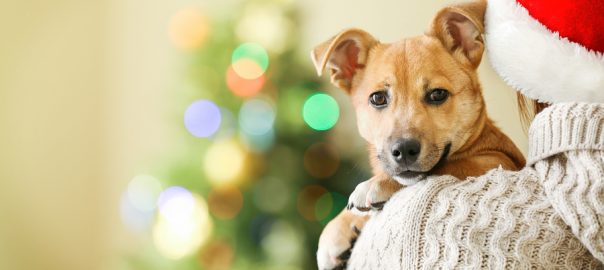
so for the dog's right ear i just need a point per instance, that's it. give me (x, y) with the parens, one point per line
(460, 27)
(344, 55)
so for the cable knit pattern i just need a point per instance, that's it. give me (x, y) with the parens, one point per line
(550, 215)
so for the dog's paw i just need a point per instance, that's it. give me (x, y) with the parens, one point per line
(337, 240)
(357, 202)
(372, 194)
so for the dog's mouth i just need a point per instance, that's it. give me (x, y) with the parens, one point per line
(412, 176)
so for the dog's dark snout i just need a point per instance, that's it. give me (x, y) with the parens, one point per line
(406, 150)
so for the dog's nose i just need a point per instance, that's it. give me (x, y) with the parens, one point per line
(406, 150)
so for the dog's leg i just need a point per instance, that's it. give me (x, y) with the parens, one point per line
(373, 194)
(338, 237)
(337, 240)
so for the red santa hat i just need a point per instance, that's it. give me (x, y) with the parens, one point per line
(550, 50)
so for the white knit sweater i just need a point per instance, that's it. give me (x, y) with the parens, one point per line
(550, 215)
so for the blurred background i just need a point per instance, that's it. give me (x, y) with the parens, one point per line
(183, 134)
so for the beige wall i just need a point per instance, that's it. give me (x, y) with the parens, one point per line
(85, 94)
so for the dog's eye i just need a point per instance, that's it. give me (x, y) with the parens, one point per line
(379, 99)
(437, 96)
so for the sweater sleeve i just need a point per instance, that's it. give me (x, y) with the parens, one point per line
(567, 151)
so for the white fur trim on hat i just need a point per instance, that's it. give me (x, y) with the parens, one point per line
(538, 62)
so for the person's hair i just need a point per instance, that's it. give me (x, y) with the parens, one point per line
(528, 108)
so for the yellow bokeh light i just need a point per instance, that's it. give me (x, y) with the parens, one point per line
(248, 69)
(176, 239)
(224, 163)
(188, 28)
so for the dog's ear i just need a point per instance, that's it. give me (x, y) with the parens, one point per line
(460, 28)
(344, 55)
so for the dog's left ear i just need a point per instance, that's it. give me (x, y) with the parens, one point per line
(460, 28)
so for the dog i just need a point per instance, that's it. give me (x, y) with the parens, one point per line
(419, 106)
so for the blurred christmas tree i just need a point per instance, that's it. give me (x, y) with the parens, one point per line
(258, 178)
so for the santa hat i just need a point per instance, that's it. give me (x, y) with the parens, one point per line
(550, 50)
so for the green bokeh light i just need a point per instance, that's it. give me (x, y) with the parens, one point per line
(252, 51)
(321, 111)
(329, 205)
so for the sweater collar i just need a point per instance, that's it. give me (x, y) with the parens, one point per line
(566, 127)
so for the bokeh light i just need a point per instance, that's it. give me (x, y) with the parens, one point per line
(283, 243)
(135, 219)
(321, 111)
(272, 195)
(176, 203)
(243, 87)
(202, 118)
(290, 107)
(307, 199)
(247, 68)
(329, 205)
(183, 224)
(321, 160)
(228, 125)
(259, 143)
(143, 191)
(224, 162)
(188, 28)
(225, 203)
(256, 117)
(260, 227)
(217, 255)
(274, 24)
(251, 51)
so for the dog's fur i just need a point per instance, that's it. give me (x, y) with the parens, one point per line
(457, 138)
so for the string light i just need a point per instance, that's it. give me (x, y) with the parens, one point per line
(202, 118)
(321, 111)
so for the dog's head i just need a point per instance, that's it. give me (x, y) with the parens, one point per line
(417, 100)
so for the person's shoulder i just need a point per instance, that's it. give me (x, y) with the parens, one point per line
(447, 187)
(566, 127)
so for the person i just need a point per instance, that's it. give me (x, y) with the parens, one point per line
(549, 215)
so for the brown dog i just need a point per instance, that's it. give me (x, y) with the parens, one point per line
(419, 105)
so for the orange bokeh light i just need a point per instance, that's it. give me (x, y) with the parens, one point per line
(217, 255)
(321, 160)
(188, 28)
(243, 87)
(307, 200)
(225, 203)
